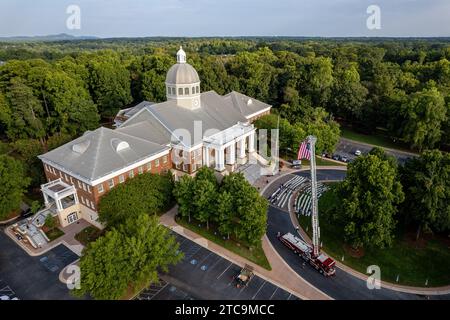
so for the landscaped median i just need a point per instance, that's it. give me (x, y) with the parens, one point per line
(253, 253)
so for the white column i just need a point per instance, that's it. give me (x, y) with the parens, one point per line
(45, 198)
(220, 157)
(58, 204)
(231, 154)
(206, 157)
(241, 148)
(251, 142)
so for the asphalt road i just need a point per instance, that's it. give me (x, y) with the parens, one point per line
(343, 285)
(205, 275)
(347, 148)
(33, 277)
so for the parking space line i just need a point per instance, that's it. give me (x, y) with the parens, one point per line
(224, 270)
(205, 258)
(276, 289)
(290, 294)
(253, 298)
(215, 263)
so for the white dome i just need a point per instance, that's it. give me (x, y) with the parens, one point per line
(182, 73)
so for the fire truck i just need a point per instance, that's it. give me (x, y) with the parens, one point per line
(321, 262)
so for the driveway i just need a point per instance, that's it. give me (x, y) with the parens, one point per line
(343, 285)
(347, 148)
(33, 277)
(205, 275)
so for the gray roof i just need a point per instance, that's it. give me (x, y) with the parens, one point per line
(214, 114)
(102, 151)
(244, 104)
(182, 73)
(146, 126)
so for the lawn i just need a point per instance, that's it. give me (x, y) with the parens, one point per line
(374, 139)
(256, 254)
(413, 264)
(53, 233)
(323, 162)
(88, 235)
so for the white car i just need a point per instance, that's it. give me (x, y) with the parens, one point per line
(357, 153)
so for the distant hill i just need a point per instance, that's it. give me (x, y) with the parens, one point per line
(53, 37)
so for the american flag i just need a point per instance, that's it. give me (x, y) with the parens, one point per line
(304, 151)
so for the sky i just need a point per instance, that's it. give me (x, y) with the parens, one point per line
(195, 18)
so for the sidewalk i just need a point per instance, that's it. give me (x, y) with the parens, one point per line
(281, 274)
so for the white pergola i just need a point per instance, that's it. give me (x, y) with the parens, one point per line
(58, 190)
(233, 140)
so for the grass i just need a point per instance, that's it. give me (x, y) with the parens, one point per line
(374, 139)
(413, 264)
(256, 254)
(88, 234)
(323, 162)
(54, 233)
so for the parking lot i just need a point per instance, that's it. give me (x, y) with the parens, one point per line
(33, 277)
(205, 275)
(6, 291)
(347, 148)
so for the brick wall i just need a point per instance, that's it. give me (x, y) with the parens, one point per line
(90, 195)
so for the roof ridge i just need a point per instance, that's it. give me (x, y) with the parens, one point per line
(100, 138)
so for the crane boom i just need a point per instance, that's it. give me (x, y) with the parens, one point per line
(314, 203)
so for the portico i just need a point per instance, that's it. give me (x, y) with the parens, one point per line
(229, 147)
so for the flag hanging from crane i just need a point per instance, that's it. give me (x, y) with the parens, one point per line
(304, 151)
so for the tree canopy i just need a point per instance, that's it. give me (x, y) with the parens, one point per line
(128, 256)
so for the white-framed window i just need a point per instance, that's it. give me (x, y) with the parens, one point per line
(65, 177)
(100, 188)
(121, 178)
(79, 184)
(60, 174)
(141, 170)
(71, 180)
(111, 183)
(131, 174)
(165, 159)
(84, 187)
(198, 89)
(156, 162)
(186, 91)
(185, 167)
(180, 91)
(92, 205)
(168, 90)
(82, 200)
(193, 90)
(149, 166)
(89, 189)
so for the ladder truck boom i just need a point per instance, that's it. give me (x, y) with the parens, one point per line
(318, 260)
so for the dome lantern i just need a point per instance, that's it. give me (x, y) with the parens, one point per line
(183, 83)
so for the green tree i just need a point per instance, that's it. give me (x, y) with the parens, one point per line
(184, 194)
(205, 195)
(129, 256)
(13, 184)
(426, 181)
(149, 193)
(424, 114)
(369, 196)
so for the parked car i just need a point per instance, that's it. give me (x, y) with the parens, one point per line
(336, 157)
(27, 213)
(296, 164)
(358, 153)
(344, 159)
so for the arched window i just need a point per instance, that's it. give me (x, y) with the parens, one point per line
(180, 91)
(186, 91)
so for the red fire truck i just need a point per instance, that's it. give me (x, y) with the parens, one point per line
(324, 264)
